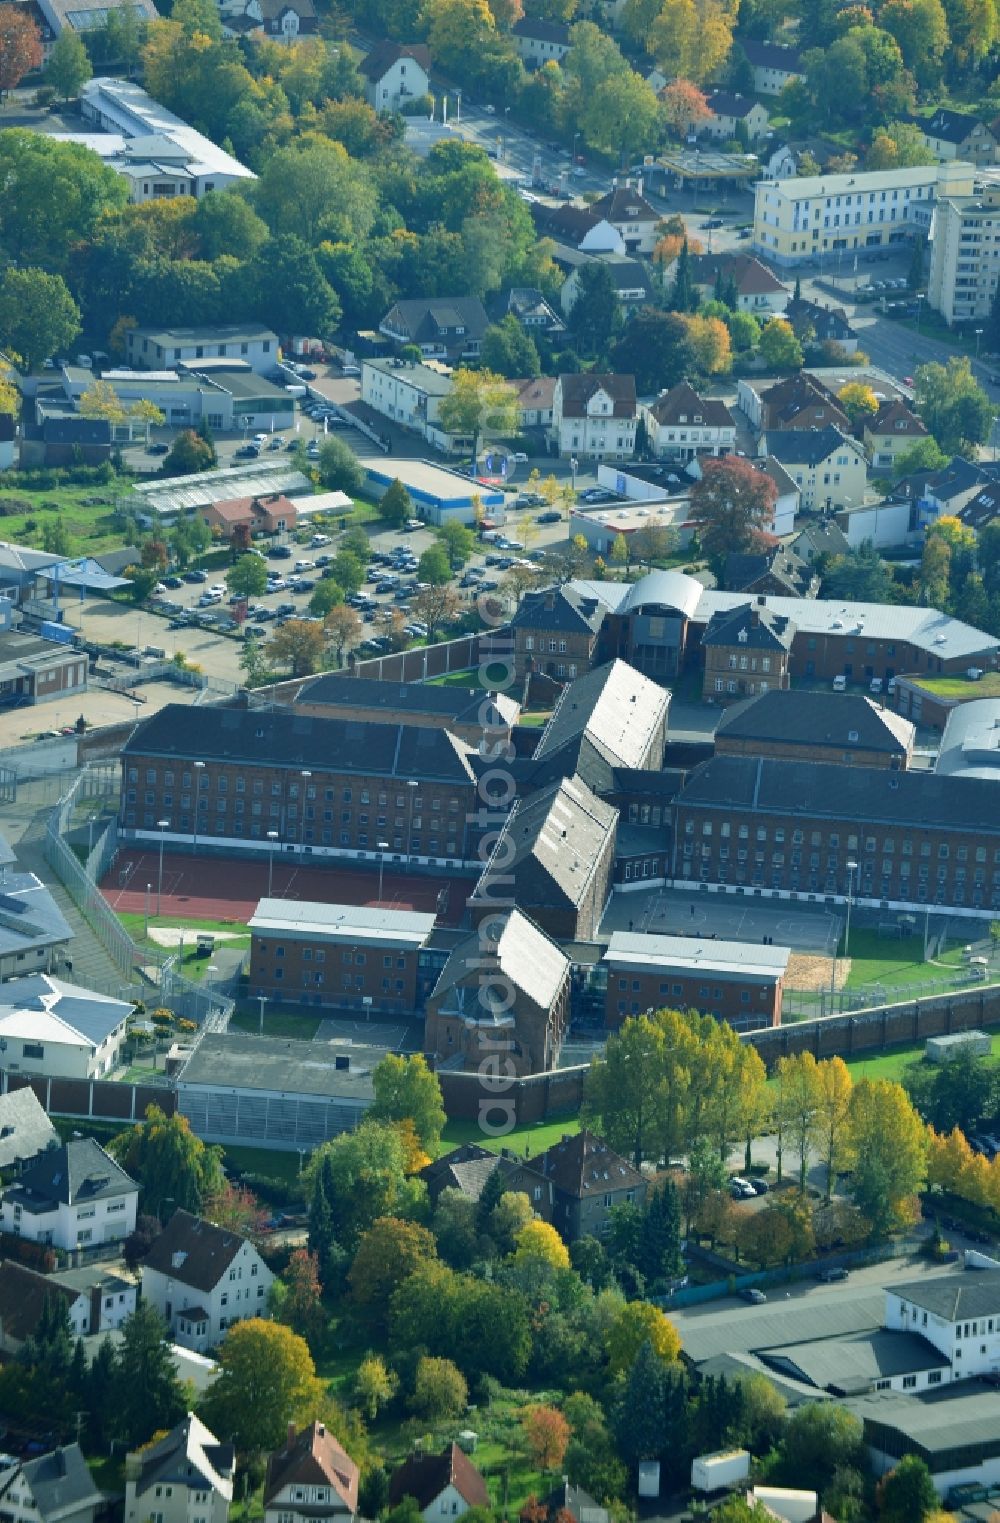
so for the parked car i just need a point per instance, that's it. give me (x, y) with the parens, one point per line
(832, 1274)
(711, 223)
(172, 581)
(753, 1295)
(276, 442)
(157, 449)
(279, 553)
(552, 517)
(246, 452)
(196, 576)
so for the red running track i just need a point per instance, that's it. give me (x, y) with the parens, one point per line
(220, 888)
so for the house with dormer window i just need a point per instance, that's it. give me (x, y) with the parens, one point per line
(311, 1480)
(394, 73)
(443, 328)
(594, 417)
(680, 425)
(184, 1477)
(71, 1197)
(202, 1278)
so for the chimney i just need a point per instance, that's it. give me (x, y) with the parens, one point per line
(762, 600)
(638, 186)
(291, 1436)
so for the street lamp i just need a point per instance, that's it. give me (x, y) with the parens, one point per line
(272, 836)
(383, 847)
(576, 137)
(920, 299)
(979, 334)
(161, 826)
(263, 1002)
(199, 768)
(852, 868)
(149, 890)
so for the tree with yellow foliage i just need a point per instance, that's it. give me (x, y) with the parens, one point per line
(857, 400)
(832, 1111)
(886, 1148)
(710, 344)
(691, 39)
(637, 1323)
(537, 1242)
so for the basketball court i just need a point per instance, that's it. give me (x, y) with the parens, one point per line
(221, 888)
(729, 917)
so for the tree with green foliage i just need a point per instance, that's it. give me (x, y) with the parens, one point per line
(173, 1166)
(288, 289)
(925, 455)
(459, 541)
(68, 68)
(266, 1380)
(860, 574)
(189, 454)
(38, 316)
(886, 1149)
(407, 1090)
(660, 1239)
(147, 1394)
(508, 349)
(820, 1438)
(907, 1494)
(364, 1177)
(434, 566)
(655, 348)
(953, 405)
(681, 296)
(595, 318)
(329, 594)
(440, 1393)
(395, 505)
(248, 576)
(641, 1412)
(55, 195)
(478, 403)
(339, 470)
(227, 225)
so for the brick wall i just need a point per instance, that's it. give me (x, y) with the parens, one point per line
(332, 973)
(99, 1099)
(537, 1097)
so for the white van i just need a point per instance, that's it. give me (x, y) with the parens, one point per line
(840, 684)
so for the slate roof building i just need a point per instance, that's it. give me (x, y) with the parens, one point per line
(465, 1168)
(746, 652)
(631, 215)
(595, 416)
(443, 1485)
(395, 72)
(506, 987)
(777, 570)
(845, 729)
(54, 1488)
(958, 1315)
(188, 1468)
(311, 1480)
(202, 1278)
(555, 855)
(681, 424)
(611, 717)
(465, 712)
(582, 1180)
(816, 324)
(53, 1028)
(728, 979)
(830, 469)
(774, 66)
(71, 1197)
(25, 1129)
(540, 42)
(443, 328)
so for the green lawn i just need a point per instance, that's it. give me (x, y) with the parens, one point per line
(875, 960)
(277, 1023)
(192, 966)
(958, 686)
(527, 1140)
(535, 721)
(265, 1163)
(891, 1065)
(469, 679)
(87, 513)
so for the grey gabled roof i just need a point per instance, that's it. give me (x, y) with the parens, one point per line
(560, 609)
(613, 708)
(955, 1297)
(274, 738)
(551, 845)
(751, 626)
(706, 1334)
(190, 1456)
(61, 1483)
(193, 1251)
(93, 1016)
(78, 1172)
(25, 1129)
(820, 790)
(848, 720)
(807, 446)
(449, 703)
(960, 1420)
(846, 1365)
(515, 947)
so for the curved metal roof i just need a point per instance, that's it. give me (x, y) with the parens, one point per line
(663, 589)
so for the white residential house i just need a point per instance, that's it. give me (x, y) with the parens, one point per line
(732, 114)
(635, 221)
(829, 469)
(49, 1027)
(680, 424)
(97, 1300)
(185, 1477)
(959, 1315)
(54, 1488)
(310, 1480)
(202, 1279)
(773, 65)
(71, 1197)
(594, 417)
(394, 73)
(411, 394)
(443, 1485)
(539, 42)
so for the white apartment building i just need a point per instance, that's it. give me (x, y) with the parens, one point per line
(800, 219)
(163, 348)
(53, 1028)
(411, 394)
(680, 424)
(159, 154)
(71, 1197)
(965, 256)
(202, 1279)
(829, 469)
(594, 417)
(958, 1314)
(187, 1477)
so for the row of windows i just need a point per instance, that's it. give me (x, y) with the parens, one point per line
(291, 791)
(357, 959)
(777, 834)
(219, 827)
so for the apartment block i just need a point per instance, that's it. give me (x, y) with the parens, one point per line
(965, 256)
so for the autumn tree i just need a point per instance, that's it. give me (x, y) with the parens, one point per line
(374, 1385)
(299, 646)
(709, 344)
(100, 400)
(637, 1323)
(302, 1303)
(478, 403)
(734, 504)
(20, 46)
(797, 1103)
(886, 1152)
(436, 606)
(234, 1208)
(266, 1380)
(538, 1242)
(390, 1250)
(407, 1090)
(342, 628)
(832, 1114)
(684, 106)
(778, 347)
(546, 1435)
(858, 401)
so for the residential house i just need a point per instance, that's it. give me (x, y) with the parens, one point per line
(35, 936)
(443, 1485)
(57, 1487)
(747, 652)
(578, 227)
(52, 1028)
(775, 570)
(798, 219)
(534, 402)
(202, 1278)
(815, 324)
(830, 470)
(62, 14)
(284, 20)
(631, 215)
(757, 289)
(164, 348)
(555, 631)
(956, 135)
(506, 987)
(273, 514)
(443, 328)
(786, 503)
(465, 1168)
(633, 283)
(184, 1477)
(529, 306)
(774, 65)
(797, 401)
(890, 432)
(311, 1479)
(981, 509)
(539, 42)
(581, 1181)
(962, 278)
(395, 73)
(555, 854)
(74, 1196)
(23, 1294)
(25, 1129)
(680, 425)
(594, 416)
(729, 980)
(577, 1505)
(734, 118)
(845, 729)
